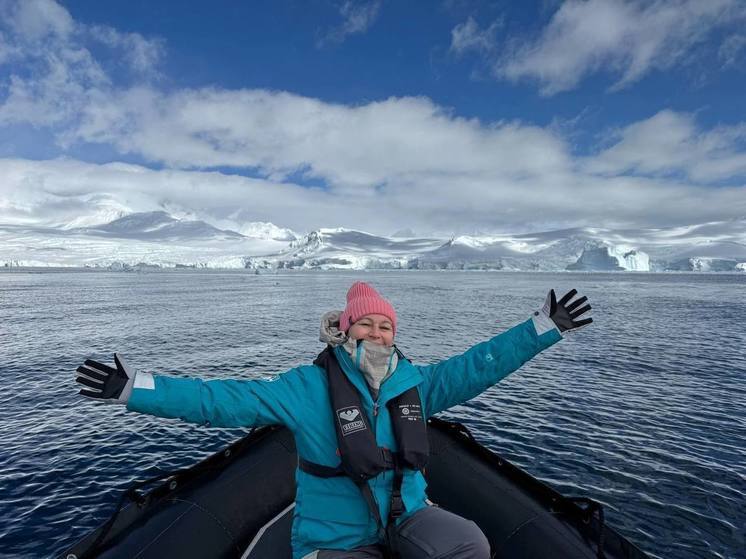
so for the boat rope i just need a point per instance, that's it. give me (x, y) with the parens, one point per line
(592, 507)
(132, 495)
(588, 507)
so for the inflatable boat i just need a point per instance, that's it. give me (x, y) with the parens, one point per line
(238, 504)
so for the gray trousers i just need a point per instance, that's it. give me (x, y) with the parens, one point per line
(429, 533)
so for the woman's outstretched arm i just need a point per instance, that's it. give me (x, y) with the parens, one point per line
(467, 375)
(218, 403)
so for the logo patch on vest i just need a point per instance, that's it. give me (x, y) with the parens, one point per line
(410, 412)
(350, 420)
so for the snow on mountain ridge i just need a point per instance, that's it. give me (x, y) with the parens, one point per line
(102, 216)
(348, 249)
(141, 222)
(145, 241)
(157, 225)
(160, 239)
(477, 242)
(266, 230)
(579, 249)
(343, 248)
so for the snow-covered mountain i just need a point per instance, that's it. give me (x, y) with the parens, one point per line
(159, 239)
(137, 239)
(156, 226)
(708, 247)
(346, 249)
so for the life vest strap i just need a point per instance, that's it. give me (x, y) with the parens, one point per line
(396, 509)
(319, 470)
(397, 503)
(387, 531)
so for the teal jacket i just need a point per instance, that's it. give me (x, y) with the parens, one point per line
(331, 513)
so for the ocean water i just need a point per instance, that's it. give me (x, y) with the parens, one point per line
(644, 410)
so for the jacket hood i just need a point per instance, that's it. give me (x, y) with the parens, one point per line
(329, 332)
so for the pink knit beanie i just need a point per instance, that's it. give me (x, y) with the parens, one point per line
(362, 299)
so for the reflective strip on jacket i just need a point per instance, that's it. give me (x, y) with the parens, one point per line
(330, 512)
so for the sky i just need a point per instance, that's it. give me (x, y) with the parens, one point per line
(440, 117)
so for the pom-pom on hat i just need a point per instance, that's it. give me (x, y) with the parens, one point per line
(362, 299)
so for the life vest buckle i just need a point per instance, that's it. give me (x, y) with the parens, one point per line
(397, 505)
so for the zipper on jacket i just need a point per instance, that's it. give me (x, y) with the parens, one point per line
(375, 418)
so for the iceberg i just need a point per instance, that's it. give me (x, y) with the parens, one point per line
(611, 258)
(630, 259)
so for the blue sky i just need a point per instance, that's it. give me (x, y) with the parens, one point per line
(445, 116)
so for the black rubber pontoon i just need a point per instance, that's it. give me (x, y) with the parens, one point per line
(238, 504)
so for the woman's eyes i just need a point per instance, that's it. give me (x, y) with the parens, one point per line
(386, 327)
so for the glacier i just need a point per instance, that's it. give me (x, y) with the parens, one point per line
(157, 239)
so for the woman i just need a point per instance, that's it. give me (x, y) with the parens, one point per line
(358, 416)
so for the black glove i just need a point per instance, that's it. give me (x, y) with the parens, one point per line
(565, 314)
(103, 382)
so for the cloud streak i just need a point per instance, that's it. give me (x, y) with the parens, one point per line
(357, 17)
(670, 144)
(468, 36)
(731, 51)
(625, 39)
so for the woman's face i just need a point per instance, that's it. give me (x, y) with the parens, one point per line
(375, 328)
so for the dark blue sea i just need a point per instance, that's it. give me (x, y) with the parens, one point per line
(645, 410)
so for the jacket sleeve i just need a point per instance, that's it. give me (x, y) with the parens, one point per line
(465, 376)
(222, 403)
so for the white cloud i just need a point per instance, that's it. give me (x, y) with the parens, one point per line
(386, 165)
(670, 144)
(143, 54)
(61, 191)
(281, 133)
(36, 20)
(358, 16)
(731, 50)
(6, 50)
(56, 94)
(403, 162)
(52, 74)
(468, 36)
(625, 38)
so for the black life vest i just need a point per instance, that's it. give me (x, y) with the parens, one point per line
(361, 457)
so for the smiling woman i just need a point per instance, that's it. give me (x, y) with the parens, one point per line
(358, 414)
(368, 316)
(376, 328)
